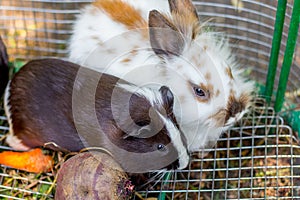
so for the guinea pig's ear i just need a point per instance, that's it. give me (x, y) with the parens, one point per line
(183, 7)
(149, 129)
(155, 125)
(165, 38)
(168, 98)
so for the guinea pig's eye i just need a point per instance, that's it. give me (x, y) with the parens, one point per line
(161, 147)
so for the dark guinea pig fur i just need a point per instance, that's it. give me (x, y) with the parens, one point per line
(63, 106)
(4, 70)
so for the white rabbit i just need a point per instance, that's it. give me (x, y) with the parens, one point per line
(95, 25)
(170, 48)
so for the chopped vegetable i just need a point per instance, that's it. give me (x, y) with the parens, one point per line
(30, 161)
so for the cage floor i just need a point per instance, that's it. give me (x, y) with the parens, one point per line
(257, 159)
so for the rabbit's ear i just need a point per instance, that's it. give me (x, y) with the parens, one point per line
(165, 38)
(183, 7)
(168, 98)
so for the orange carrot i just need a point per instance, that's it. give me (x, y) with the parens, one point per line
(30, 161)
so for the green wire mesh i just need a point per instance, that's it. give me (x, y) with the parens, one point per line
(294, 116)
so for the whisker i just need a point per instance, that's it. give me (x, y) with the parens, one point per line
(156, 175)
(165, 176)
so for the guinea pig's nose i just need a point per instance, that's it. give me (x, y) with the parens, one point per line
(174, 165)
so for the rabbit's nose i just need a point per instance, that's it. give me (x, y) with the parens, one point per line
(234, 107)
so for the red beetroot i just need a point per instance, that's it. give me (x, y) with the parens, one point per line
(92, 175)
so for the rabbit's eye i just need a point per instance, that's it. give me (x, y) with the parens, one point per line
(199, 92)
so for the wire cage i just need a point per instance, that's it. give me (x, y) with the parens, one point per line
(259, 158)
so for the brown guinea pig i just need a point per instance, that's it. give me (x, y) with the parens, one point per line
(63, 106)
(4, 70)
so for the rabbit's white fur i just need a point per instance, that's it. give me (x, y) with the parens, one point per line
(101, 43)
(94, 26)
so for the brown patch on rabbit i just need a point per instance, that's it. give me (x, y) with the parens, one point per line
(183, 7)
(185, 17)
(245, 99)
(134, 51)
(123, 13)
(235, 106)
(208, 76)
(187, 25)
(229, 72)
(126, 60)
